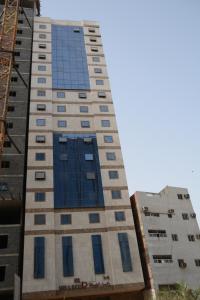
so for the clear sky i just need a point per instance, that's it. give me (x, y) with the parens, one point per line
(152, 49)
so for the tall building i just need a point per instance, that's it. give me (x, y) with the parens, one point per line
(168, 237)
(13, 160)
(79, 231)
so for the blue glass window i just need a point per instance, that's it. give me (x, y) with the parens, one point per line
(108, 139)
(85, 124)
(61, 108)
(94, 218)
(113, 174)
(39, 257)
(125, 252)
(41, 93)
(119, 216)
(62, 123)
(39, 196)
(60, 94)
(40, 122)
(116, 194)
(69, 60)
(65, 219)
(42, 68)
(39, 219)
(39, 156)
(67, 250)
(41, 80)
(98, 254)
(110, 156)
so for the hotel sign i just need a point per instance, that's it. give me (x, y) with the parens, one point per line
(84, 285)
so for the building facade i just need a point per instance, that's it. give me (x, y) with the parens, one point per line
(168, 237)
(79, 230)
(13, 160)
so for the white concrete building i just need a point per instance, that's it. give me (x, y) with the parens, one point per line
(168, 237)
(79, 230)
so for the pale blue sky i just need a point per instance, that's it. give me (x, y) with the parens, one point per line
(152, 49)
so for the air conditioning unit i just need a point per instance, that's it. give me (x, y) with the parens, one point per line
(145, 208)
(171, 211)
(193, 215)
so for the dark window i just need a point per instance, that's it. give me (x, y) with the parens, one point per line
(12, 94)
(97, 254)
(60, 94)
(18, 42)
(174, 237)
(191, 238)
(101, 94)
(2, 273)
(186, 196)
(110, 156)
(42, 68)
(14, 79)
(94, 49)
(182, 263)
(197, 262)
(3, 241)
(113, 174)
(157, 233)
(20, 21)
(5, 164)
(63, 156)
(180, 196)
(82, 95)
(7, 144)
(96, 59)
(39, 219)
(42, 46)
(17, 53)
(40, 196)
(40, 175)
(97, 70)
(39, 257)
(19, 31)
(42, 56)
(108, 139)
(159, 259)
(11, 108)
(42, 36)
(42, 26)
(125, 252)
(119, 216)
(41, 80)
(3, 187)
(91, 30)
(84, 109)
(39, 156)
(76, 30)
(66, 219)
(99, 82)
(90, 175)
(185, 216)
(41, 93)
(85, 124)
(103, 108)
(40, 139)
(67, 250)
(61, 108)
(116, 194)
(93, 40)
(169, 215)
(94, 218)
(41, 107)
(105, 123)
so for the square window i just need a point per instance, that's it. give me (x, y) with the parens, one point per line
(119, 216)
(7, 144)
(76, 30)
(62, 123)
(113, 174)
(42, 26)
(42, 68)
(94, 218)
(97, 70)
(41, 80)
(40, 122)
(96, 59)
(89, 156)
(85, 124)
(14, 79)
(5, 164)
(180, 196)
(185, 216)
(110, 156)
(39, 219)
(174, 237)
(12, 93)
(3, 241)
(40, 175)
(191, 238)
(99, 82)
(82, 95)
(61, 108)
(17, 53)
(41, 107)
(103, 108)
(19, 31)
(3, 187)
(18, 42)
(108, 139)
(116, 194)
(39, 156)
(197, 262)
(11, 108)
(105, 123)
(60, 94)
(9, 125)
(40, 139)
(84, 109)
(42, 56)
(20, 21)
(42, 36)
(41, 93)
(42, 46)
(66, 219)
(2, 273)
(40, 196)
(90, 175)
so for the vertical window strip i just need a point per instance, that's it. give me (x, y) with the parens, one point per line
(125, 252)
(39, 257)
(98, 254)
(68, 264)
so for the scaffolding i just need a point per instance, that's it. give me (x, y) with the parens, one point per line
(7, 46)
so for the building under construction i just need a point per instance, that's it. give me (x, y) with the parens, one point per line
(16, 36)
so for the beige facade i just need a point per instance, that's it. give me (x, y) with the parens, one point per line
(51, 286)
